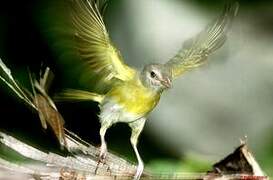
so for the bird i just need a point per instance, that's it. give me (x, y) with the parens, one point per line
(129, 94)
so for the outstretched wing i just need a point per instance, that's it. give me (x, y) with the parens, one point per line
(94, 44)
(195, 51)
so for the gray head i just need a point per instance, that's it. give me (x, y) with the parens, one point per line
(156, 76)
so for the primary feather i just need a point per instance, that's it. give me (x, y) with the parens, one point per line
(196, 50)
(94, 43)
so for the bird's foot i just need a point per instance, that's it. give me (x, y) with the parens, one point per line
(139, 171)
(103, 153)
(102, 157)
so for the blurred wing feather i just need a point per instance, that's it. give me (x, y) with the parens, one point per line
(196, 50)
(94, 43)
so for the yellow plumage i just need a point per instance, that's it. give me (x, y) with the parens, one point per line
(79, 95)
(132, 96)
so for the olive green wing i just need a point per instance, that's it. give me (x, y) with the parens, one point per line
(94, 44)
(196, 50)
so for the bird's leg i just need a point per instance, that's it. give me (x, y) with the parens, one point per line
(137, 127)
(103, 147)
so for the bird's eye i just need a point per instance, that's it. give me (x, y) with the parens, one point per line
(153, 74)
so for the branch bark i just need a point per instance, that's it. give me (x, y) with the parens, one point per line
(81, 163)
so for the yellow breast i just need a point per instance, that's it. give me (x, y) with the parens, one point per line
(134, 97)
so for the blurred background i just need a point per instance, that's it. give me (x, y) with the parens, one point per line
(197, 122)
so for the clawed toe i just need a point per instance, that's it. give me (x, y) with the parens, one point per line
(139, 171)
(102, 157)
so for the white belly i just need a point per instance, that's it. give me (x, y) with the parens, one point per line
(113, 112)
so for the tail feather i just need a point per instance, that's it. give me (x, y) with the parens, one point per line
(78, 95)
